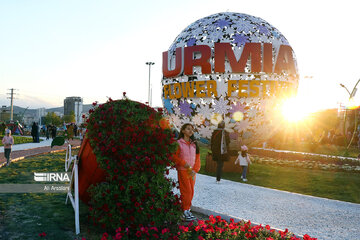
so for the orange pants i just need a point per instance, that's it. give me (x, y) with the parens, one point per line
(186, 184)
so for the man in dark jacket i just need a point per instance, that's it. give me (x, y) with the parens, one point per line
(33, 132)
(220, 148)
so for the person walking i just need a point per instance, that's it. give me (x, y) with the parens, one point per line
(75, 130)
(219, 147)
(53, 132)
(187, 160)
(48, 129)
(33, 131)
(8, 141)
(244, 160)
(37, 135)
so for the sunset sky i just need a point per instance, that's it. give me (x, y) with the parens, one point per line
(50, 50)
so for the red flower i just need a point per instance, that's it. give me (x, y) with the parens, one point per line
(43, 234)
(184, 229)
(105, 236)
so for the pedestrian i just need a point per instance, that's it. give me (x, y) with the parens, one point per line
(219, 147)
(70, 131)
(75, 130)
(53, 132)
(8, 141)
(33, 131)
(48, 129)
(244, 160)
(37, 135)
(187, 160)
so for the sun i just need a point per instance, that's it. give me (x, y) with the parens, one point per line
(294, 110)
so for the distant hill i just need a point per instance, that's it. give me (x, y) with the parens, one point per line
(29, 111)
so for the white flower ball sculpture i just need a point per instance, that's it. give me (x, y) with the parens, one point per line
(228, 66)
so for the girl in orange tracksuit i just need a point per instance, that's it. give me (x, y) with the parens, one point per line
(187, 160)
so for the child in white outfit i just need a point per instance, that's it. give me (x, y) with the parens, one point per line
(244, 160)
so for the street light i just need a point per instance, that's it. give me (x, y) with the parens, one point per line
(351, 95)
(149, 97)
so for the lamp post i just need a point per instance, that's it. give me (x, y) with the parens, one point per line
(351, 95)
(149, 96)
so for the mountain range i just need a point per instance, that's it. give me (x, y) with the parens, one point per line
(32, 112)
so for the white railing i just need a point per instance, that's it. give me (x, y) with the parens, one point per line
(74, 185)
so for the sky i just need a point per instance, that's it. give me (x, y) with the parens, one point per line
(50, 50)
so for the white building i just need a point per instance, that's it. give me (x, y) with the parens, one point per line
(40, 112)
(74, 104)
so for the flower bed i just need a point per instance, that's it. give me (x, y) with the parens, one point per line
(213, 228)
(323, 162)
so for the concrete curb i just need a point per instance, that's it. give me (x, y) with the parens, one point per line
(228, 217)
(35, 154)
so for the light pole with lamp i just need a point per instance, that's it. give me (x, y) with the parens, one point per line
(351, 95)
(149, 96)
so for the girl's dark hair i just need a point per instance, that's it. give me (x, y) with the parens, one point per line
(192, 138)
(244, 153)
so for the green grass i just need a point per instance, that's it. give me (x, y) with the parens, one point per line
(24, 216)
(328, 149)
(19, 140)
(344, 186)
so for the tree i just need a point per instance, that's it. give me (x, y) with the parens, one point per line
(69, 118)
(52, 118)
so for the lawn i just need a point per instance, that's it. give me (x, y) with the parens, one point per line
(328, 149)
(19, 140)
(344, 186)
(24, 216)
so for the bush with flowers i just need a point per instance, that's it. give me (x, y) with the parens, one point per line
(134, 147)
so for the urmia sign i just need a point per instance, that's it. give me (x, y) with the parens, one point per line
(224, 64)
(261, 59)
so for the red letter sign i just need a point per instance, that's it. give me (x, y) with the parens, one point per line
(203, 61)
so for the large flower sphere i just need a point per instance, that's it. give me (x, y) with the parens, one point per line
(227, 66)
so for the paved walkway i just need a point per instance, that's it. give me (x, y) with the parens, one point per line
(301, 214)
(31, 149)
